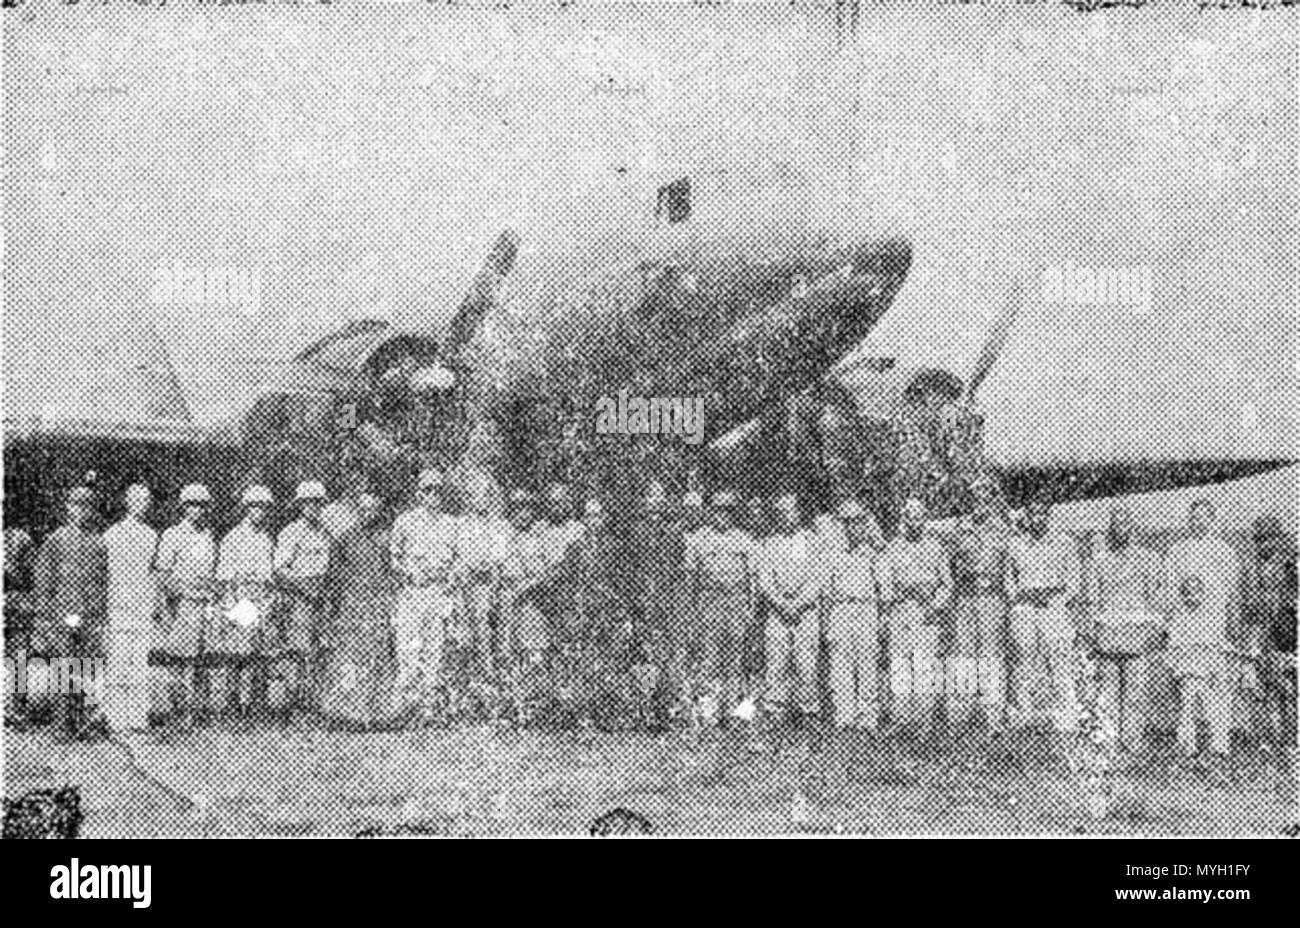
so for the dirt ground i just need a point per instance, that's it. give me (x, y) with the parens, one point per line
(479, 781)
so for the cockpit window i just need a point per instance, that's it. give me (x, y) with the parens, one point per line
(674, 202)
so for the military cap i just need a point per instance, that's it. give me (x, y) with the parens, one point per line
(429, 478)
(257, 495)
(310, 490)
(195, 493)
(850, 509)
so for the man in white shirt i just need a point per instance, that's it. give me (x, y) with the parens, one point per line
(1044, 582)
(1198, 657)
(1205, 555)
(979, 569)
(483, 542)
(791, 579)
(132, 600)
(721, 565)
(915, 584)
(425, 552)
(852, 619)
(1199, 648)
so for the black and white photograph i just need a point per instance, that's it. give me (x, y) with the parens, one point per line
(699, 419)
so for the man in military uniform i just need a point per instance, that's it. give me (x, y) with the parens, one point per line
(852, 619)
(557, 594)
(425, 553)
(245, 582)
(302, 558)
(1044, 583)
(1269, 613)
(915, 586)
(979, 574)
(19, 608)
(483, 540)
(526, 564)
(758, 523)
(1125, 598)
(791, 579)
(660, 590)
(70, 581)
(722, 563)
(185, 563)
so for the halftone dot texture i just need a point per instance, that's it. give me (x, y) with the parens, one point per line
(196, 195)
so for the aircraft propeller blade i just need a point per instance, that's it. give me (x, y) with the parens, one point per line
(996, 340)
(482, 292)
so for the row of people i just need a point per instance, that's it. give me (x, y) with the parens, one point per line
(338, 613)
(1016, 605)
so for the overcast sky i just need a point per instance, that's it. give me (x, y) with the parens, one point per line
(361, 162)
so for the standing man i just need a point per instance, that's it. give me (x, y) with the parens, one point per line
(424, 551)
(758, 524)
(600, 606)
(184, 563)
(245, 581)
(1205, 555)
(19, 608)
(979, 573)
(484, 536)
(557, 595)
(1044, 583)
(852, 619)
(524, 625)
(915, 585)
(1125, 592)
(1269, 610)
(721, 563)
(132, 602)
(1198, 656)
(660, 575)
(791, 579)
(345, 512)
(302, 558)
(357, 641)
(70, 582)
